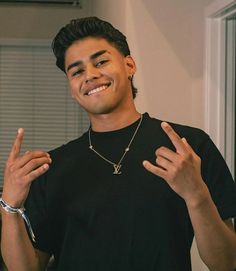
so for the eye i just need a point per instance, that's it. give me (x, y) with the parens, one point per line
(77, 73)
(101, 62)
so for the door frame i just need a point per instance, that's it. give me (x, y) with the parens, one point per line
(215, 76)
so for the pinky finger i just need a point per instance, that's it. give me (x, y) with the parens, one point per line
(37, 172)
(154, 169)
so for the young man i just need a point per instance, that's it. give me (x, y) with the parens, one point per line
(131, 192)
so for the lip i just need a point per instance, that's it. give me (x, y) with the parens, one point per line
(94, 87)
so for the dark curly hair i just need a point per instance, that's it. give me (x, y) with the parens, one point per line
(81, 28)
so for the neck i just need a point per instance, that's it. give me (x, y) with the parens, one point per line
(113, 121)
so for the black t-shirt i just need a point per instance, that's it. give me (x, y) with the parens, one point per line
(91, 219)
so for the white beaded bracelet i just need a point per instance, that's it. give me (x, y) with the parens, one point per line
(21, 211)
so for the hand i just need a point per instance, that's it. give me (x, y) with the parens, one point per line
(20, 171)
(180, 169)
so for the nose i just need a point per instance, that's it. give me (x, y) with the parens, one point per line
(91, 73)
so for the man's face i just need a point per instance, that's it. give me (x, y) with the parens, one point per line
(98, 76)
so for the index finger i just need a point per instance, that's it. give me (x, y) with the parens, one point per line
(173, 136)
(16, 147)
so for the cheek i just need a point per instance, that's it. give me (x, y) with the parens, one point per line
(71, 88)
(71, 92)
(119, 76)
(74, 86)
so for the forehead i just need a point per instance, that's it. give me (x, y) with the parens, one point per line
(87, 47)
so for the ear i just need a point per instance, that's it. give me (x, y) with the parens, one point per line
(130, 65)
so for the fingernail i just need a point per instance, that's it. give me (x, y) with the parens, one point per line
(20, 130)
(45, 166)
(164, 124)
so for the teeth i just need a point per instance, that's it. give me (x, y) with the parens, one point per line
(97, 89)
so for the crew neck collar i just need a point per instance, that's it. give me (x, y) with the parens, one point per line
(121, 130)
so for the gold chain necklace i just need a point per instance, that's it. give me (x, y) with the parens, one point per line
(116, 166)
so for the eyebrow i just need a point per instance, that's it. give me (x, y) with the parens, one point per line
(92, 57)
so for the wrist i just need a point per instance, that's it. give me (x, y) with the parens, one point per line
(9, 208)
(21, 211)
(12, 200)
(199, 199)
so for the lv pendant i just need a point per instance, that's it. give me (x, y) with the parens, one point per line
(116, 169)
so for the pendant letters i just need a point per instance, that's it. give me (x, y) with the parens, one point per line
(116, 169)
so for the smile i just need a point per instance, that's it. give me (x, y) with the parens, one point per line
(99, 89)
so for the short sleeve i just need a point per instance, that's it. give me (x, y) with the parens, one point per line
(36, 210)
(218, 178)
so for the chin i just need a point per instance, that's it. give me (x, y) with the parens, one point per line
(100, 110)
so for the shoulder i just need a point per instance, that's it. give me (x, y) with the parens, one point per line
(69, 149)
(194, 136)
(65, 160)
(66, 155)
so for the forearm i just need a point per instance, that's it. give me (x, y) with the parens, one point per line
(216, 242)
(20, 171)
(181, 169)
(17, 250)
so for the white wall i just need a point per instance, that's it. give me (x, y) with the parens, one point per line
(167, 41)
(166, 38)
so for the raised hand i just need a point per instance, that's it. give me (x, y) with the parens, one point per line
(180, 169)
(21, 170)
